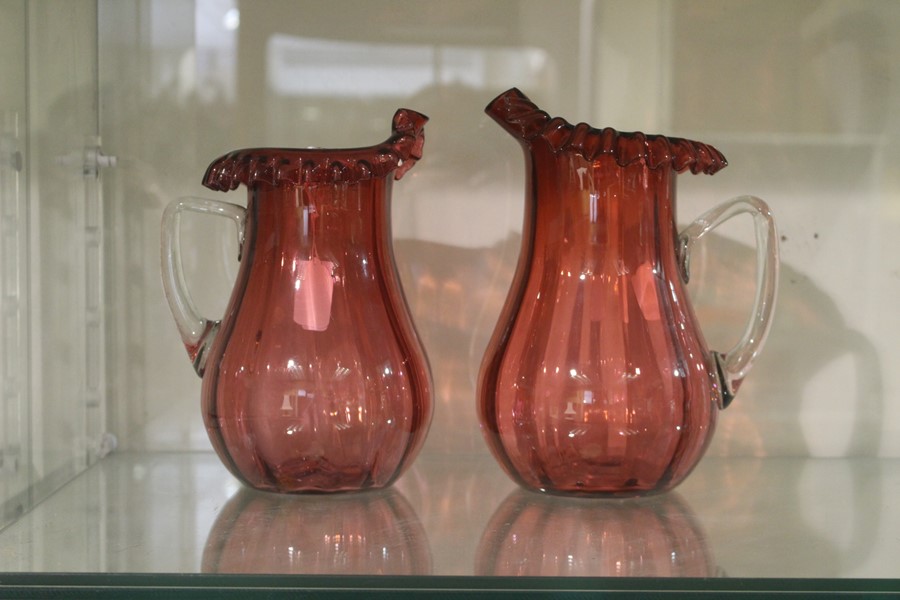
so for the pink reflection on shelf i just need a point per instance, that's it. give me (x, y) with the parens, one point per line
(375, 533)
(536, 535)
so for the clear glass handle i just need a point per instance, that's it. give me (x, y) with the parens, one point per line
(734, 364)
(197, 333)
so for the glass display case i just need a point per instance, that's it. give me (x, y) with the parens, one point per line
(110, 109)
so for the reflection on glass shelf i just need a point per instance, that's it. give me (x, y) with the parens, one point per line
(744, 518)
(375, 533)
(536, 535)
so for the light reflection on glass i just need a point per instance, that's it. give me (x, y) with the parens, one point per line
(537, 535)
(371, 533)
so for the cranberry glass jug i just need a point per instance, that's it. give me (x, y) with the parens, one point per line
(597, 379)
(315, 379)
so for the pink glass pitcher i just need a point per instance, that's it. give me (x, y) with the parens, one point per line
(597, 379)
(315, 379)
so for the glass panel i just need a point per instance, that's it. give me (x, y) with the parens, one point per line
(66, 242)
(14, 293)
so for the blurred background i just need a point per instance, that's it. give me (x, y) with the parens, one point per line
(113, 108)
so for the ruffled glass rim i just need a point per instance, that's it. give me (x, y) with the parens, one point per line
(516, 113)
(298, 167)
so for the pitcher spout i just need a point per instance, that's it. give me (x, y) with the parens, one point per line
(518, 115)
(522, 119)
(408, 139)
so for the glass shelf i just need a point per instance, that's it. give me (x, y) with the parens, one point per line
(799, 524)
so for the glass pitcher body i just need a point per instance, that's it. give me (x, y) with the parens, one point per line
(597, 379)
(315, 379)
